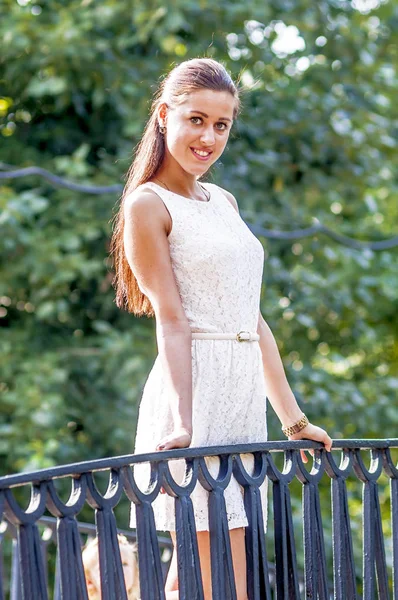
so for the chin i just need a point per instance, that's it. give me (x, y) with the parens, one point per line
(199, 171)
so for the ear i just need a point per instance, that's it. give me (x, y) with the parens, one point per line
(162, 113)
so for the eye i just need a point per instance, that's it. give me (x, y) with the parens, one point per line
(221, 123)
(195, 118)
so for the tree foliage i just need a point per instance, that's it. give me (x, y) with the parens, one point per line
(316, 140)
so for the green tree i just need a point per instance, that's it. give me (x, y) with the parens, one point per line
(316, 141)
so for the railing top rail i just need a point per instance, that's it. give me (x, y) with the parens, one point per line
(117, 462)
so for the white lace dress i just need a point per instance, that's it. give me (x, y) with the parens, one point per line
(218, 265)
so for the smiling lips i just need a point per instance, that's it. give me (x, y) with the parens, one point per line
(201, 154)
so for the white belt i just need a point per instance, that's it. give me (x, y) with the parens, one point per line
(242, 336)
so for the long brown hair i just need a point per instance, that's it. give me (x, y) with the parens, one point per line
(188, 76)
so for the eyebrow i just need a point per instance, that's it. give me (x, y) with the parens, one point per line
(204, 114)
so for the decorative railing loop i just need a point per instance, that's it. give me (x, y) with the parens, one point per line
(132, 489)
(342, 470)
(37, 505)
(75, 502)
(288, 472)
(190, 480)
(389, 467)
(222, 479)
(318, 467)
(376, 465)
(112, 495)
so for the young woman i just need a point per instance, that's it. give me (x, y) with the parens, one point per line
(184, 255)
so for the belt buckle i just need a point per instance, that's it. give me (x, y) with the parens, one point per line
(245, 339)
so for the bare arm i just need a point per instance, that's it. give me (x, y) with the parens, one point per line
(279, 392)
(147, 223)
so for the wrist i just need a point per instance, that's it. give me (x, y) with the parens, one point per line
(187, 427)
(291, 418)
(296, 427)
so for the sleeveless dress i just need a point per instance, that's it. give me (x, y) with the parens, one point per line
(218, 266)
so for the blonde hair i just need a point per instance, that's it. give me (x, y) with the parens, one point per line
(90, 558)
(185, 78)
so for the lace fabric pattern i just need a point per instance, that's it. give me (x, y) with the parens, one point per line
(218, 265)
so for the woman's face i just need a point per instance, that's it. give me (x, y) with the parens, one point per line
(201, 123)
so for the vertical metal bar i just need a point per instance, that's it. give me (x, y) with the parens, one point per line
(220, 548)
(39, 563)
(392, 471)
(368, 544)
(15, 584)
(69, 560)
(111, 570)
(287, 585)
(44, 559)
(195, 552)
(343, 555)
(31, 563)
(1, 547)
(79, 569)
(57, 578)
(320, 548)
(394, 527)
(228, 565)
(216, 546)
(258, 586)
(190, 585)
(148, 554)
(252, 550)
(117, 567)
(380, 554)
(184, 580)
(108, 588)
(314, 546)
(265, 589)
(1, 568)
(310, 558)
(293, 580)
(280, 541)
(66, 560)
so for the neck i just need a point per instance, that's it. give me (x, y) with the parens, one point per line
(173, 175)
(196, 191)
(185, 187)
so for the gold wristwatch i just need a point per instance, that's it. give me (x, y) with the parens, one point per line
(296, 427)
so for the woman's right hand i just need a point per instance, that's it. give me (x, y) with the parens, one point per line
(178, 438)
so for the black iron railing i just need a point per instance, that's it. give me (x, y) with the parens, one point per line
(378, 579)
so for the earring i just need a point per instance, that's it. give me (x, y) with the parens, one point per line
(162, 129)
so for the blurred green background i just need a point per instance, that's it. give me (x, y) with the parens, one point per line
(316, 141)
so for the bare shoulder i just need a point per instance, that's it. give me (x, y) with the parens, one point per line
(144, 203)
(230, 197)
(147, 251)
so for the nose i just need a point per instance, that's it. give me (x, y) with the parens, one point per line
(207, 136)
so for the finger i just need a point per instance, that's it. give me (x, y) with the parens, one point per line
(328, 443)
(303, 456)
